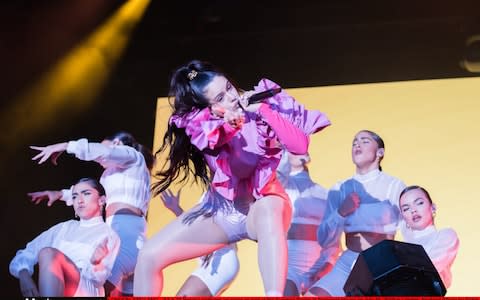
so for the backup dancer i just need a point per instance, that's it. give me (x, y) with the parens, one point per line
(74, 257)
(364, 207)
(307, 260)
(126, 179)
(418, 212)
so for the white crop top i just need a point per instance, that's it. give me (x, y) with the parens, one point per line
(378, 211)
(126, 178)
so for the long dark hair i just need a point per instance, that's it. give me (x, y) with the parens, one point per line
(127, 139)
(187, 90)
(379, 142)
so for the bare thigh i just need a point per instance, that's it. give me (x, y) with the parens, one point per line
(178, 241)
(268, 211)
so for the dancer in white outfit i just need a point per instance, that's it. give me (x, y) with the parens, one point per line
(364, 207)
(307, 260)
(418, 211)
(126, 179)
(75, 257)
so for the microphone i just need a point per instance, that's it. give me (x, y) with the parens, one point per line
(259, 97)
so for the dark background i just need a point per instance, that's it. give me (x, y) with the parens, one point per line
(295, 43)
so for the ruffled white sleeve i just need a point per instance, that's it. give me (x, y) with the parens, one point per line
(27, 258)
(118, 155)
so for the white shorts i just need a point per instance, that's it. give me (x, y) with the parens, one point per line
(232, 218)
(334, 281)
(232, 221)
(131, 229)
(221, 270)
(303, 263)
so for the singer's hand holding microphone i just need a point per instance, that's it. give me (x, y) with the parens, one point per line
(233, 117)
(246, 104)
(249, 101)
(236, 117)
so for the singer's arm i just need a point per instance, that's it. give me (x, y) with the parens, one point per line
(294, 139)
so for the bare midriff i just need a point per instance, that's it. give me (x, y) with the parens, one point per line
(305, 232)
(123, 208)
(359, 241)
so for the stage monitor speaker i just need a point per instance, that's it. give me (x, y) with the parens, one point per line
(392, 268)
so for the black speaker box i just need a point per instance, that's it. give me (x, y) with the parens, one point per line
(393, 268)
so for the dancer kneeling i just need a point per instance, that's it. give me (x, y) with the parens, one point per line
(75, 258)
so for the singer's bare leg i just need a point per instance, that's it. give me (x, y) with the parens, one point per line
(267, 222)
(174, 243)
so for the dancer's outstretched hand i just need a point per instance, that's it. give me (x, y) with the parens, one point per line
(52, 196)
(51, 151)
(172, 201)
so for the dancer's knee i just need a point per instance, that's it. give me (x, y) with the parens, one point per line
(153, 256)
(47, 255)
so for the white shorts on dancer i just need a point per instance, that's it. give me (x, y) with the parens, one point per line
(131, 229)
(221, 269)
(304, 261)
(232, 221)
(334, 281)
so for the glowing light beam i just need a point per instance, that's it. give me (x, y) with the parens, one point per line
(72, 85)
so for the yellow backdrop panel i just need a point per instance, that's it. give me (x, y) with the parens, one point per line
(431, 131)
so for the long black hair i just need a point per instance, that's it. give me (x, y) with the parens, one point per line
(127, 139)
(187, 90)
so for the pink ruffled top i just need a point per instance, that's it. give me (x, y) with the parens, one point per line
(243, 160)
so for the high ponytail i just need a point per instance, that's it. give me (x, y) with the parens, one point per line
(129, 140)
